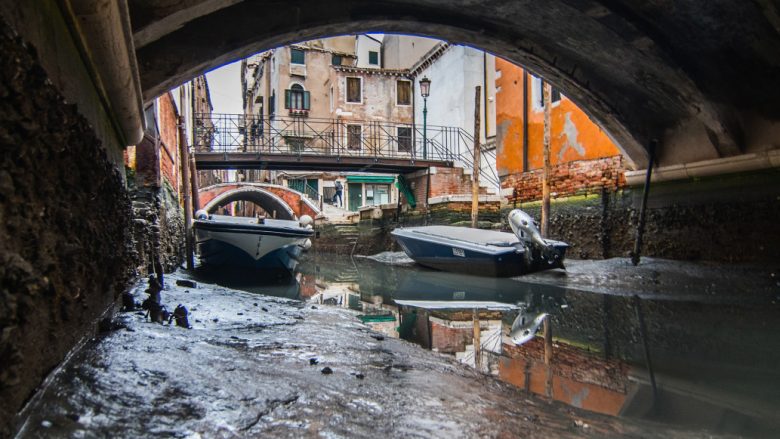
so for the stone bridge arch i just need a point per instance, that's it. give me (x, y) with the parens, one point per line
(286, 202)
(690, 75)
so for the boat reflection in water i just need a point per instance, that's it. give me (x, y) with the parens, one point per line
(714, 361)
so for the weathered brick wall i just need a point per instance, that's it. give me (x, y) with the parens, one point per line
(444, 181)
(456, 211)
(169, 146)
(570, 178)
(450, 340)
(725, 218)
(579, 377)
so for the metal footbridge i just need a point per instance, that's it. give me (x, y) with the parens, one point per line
(237, 141)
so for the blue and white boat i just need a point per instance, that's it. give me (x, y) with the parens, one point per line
(483, 252)
(259, 243)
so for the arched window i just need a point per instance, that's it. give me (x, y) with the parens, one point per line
(296, 98)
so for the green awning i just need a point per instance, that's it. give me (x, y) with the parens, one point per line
(377, 318)
(370, 179)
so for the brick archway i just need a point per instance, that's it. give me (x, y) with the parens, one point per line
(288, 203)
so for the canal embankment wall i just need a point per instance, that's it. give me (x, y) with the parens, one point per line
(69, 244)
(728, 218)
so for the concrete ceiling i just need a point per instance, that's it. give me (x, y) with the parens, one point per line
(703, 77)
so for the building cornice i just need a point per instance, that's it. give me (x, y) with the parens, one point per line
(384, 72)
(435, 53)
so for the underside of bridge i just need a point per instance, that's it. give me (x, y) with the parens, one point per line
(701, 77)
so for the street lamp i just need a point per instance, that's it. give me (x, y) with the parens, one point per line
(425, 91)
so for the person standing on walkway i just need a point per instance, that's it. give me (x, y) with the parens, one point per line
(337, 198)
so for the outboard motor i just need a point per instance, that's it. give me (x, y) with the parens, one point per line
(524, 327)
(201, 215)
(526, 230)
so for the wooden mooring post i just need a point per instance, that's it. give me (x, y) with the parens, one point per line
(477, 341)
(547, 93)
(548, 355)
(477, 159)
(184, 159)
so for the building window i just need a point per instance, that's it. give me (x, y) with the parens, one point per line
(373, 58)
(555, 94)
(297, 56)
(354, 92)
(404, 139)
(403, 92)
(354, 137)
(335, 60)
(272, 104)
(377, 194)
(296, 98)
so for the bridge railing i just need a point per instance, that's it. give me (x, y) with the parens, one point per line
(332, 137)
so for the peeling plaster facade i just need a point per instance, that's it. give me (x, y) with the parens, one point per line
(578, 146)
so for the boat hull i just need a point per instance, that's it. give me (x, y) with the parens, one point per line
(442, 257)
(447, 248)
(233, 242)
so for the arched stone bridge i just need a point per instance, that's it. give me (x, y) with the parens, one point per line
(286, 202)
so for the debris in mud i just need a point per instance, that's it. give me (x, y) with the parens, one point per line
(181, 315)
(186, 283)
(378, 337)
(128, 302)
(108, 325)
(326, 370)
(313, 361)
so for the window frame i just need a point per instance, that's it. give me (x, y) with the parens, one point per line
(538, 94)
(399, 137)
(349, 137)
(346, 89)
(297, 98)
(376, 56)
(294, 50)
(397, 94)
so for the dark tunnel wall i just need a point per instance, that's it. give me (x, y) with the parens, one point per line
(65, 223)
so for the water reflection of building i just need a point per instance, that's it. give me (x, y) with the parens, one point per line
(579, 377)
(471, 331)
(714, 362)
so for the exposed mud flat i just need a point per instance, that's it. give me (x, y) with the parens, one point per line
(256, 365)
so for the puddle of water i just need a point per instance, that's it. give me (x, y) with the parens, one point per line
(711, 331)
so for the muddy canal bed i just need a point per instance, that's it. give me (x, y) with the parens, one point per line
(256, 365)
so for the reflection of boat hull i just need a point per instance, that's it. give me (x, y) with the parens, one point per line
(243, 242)
(471, 251)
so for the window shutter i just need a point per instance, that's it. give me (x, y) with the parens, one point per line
(287, 96)
(306, 100)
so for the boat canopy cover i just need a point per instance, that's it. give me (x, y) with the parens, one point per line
(457, 304)
(467, 234)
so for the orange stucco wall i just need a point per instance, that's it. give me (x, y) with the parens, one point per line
(573, 135)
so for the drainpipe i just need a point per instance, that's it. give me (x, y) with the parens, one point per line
(103, 26)
(195, 184)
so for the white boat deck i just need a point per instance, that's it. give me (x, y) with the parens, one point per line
(467, 234)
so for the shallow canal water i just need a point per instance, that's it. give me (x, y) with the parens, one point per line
(711, 333)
